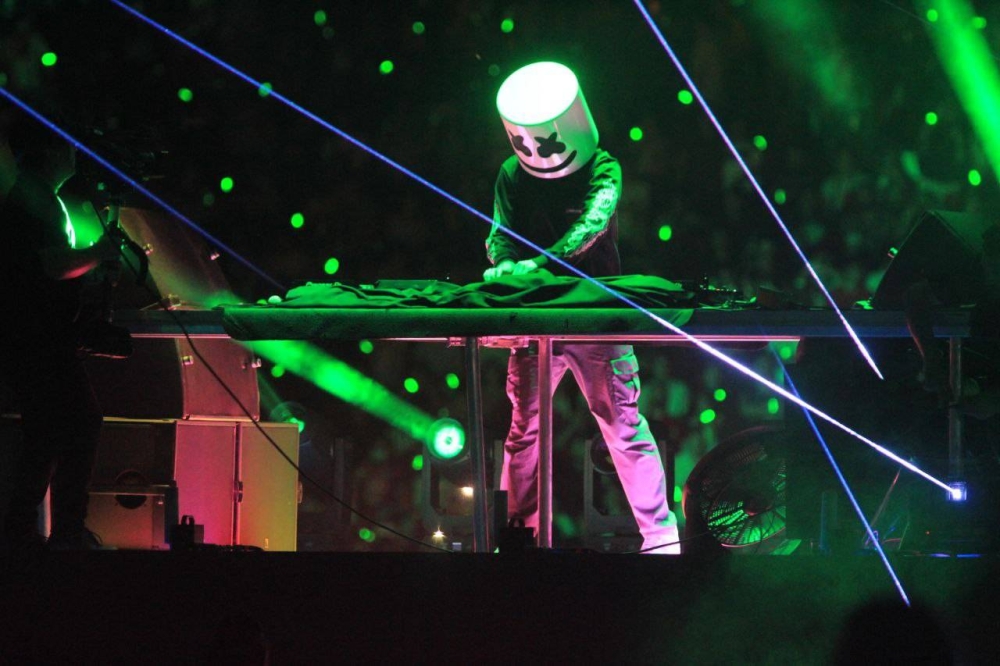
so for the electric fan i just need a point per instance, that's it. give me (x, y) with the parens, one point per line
(736, 493)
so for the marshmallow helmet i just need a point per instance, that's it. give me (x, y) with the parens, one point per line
(547, 119)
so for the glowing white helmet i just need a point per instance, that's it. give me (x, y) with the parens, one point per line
(547, 119)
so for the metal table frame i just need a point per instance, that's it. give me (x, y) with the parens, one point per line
(474, 329)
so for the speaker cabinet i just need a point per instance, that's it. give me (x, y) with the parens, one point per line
(268, 500)
(228, 476)
(165, 378)
(944, 248)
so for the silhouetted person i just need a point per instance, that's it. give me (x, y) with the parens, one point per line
(889, 632)
(40, 273)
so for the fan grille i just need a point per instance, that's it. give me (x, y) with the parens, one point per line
(741, 494)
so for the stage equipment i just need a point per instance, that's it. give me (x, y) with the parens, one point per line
(944, 248)
(872, 537)
(446, 503)
(447, 440)
(182, 275)
(736, 493)
(753, 181)
(228, 478)
(5, 93)
(498, 326)
(606, 513)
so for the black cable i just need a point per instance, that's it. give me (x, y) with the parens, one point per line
(671, 543)
(256, 422)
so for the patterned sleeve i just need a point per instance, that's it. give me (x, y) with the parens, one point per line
(598, 206)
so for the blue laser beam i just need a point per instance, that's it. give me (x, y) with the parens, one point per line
(847, 489)
(573, 269)
(756, 185)
(132, 183)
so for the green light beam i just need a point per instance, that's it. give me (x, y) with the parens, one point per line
(969, 64)
(344, 382)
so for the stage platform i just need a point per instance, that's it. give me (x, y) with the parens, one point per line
(538, 607)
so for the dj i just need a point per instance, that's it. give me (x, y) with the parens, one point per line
(560, 190)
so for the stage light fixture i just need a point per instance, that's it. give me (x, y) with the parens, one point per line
(447, 439)
(600, 456)
(959, 491)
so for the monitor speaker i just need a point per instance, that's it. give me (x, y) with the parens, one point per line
(944, 248)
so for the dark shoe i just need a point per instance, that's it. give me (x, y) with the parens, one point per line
(82, 540)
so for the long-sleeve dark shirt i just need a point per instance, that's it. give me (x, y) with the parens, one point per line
(573, 217)
(40, 310)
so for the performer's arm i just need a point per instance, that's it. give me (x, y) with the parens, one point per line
(66, 263)
(500, 248)
(597, 208)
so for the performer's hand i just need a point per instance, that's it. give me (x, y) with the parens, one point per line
(525, 266)
(505, 267)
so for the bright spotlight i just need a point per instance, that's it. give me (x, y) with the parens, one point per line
(447, 439)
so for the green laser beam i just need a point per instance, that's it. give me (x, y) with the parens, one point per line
(969, 64)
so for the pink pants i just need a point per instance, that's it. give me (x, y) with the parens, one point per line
(608, 375)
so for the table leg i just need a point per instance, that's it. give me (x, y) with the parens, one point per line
(477, 447)
(956, 468)
(545, 442)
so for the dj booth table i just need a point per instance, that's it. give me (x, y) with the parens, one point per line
(473, 328)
